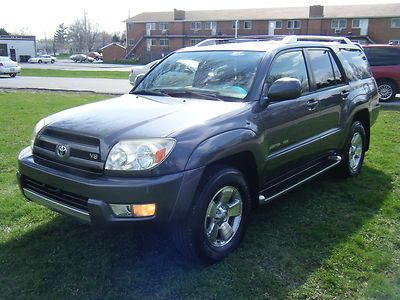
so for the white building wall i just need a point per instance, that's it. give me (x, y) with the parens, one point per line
(22, 47)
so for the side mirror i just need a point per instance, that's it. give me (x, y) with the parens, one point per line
(284, 89)
(138, 79)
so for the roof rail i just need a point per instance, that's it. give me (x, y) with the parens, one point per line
(286, 39)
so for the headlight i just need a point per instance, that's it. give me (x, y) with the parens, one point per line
(36, 130)
(135, 155)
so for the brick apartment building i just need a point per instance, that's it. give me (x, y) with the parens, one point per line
(153, 34)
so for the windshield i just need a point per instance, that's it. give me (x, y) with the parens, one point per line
(226, 75)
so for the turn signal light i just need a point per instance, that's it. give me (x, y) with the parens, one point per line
(143, 210)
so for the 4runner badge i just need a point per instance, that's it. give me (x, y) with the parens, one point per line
(62, 151)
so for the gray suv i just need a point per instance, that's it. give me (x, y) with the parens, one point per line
(206, 136)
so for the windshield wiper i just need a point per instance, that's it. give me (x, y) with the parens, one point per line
(150, 93)
(204, 95)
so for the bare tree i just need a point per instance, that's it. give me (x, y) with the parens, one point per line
(77, 36)
(82, 35)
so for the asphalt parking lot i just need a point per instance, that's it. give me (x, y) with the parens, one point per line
(67, 64)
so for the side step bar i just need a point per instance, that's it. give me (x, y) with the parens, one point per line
(274, 191)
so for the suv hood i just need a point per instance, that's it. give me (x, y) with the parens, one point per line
(133, 116)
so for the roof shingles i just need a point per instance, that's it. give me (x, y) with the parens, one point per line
(345, 11)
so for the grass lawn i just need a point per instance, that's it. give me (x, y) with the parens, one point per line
(75, 73)
(327, 239)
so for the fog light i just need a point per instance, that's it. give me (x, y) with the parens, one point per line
(144, 210)
(133, 210)
(121, 210)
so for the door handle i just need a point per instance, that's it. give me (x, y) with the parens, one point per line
(312, 104)
(345, 93)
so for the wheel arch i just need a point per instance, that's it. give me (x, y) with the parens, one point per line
(363, 117)
(245, 162)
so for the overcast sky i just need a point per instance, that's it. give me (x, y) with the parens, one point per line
(41, 17)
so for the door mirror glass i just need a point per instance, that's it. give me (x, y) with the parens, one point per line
(284, 89)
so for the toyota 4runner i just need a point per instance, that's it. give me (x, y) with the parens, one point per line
(204, 137)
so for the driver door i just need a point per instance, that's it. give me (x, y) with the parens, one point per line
(289, 127)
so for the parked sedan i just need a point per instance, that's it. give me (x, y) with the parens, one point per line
(43, 59)
(9, 67)
(136, 70)
(81, 58)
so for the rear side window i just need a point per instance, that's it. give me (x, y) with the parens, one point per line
(321, 68)
(289, 64)
(383, 56)
(355, 64)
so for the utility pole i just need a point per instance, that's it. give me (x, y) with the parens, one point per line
(86, 33)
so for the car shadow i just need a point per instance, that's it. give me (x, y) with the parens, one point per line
(287, 240)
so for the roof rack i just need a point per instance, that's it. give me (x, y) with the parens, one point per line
(286, 39)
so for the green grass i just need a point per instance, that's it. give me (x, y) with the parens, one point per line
(75, 73)
(63, 56)
(327, 239)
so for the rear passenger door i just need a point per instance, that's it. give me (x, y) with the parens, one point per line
(329, 88)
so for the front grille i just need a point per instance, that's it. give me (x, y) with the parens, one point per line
(55, 194)
(83, 151)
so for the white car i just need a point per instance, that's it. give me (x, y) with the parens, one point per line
(43, 59)
(136, 70)
(9, 67)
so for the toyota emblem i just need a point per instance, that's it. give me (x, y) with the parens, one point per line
(62, 151)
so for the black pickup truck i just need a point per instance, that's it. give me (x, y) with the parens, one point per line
(206, 136)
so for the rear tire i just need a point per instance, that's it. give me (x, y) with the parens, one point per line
(13, 75)
(217, 221)
(387, 90)
(39, 61)
(354, 152)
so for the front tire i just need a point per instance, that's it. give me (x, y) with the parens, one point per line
(39, 61)
(387, 90)
(217, 221)
(13, 75)
(354, 152)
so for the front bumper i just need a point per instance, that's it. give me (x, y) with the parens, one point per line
(88, 198)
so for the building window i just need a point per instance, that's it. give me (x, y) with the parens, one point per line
(194, 42)
(196, 26)
(293, 24)
(164, 42)
(210, 25)
(130, 26)
(395, 23)
(278, 24)
(131, 42)
(151, 26)
(234, 24)
(338, 23)
(247, 24)
(355, 23)
(163, 26)
(394, 42)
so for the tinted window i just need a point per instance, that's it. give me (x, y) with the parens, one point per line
(338, 75)
(355, 63)
(383, 56)
(289, 64)
(321, 68)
